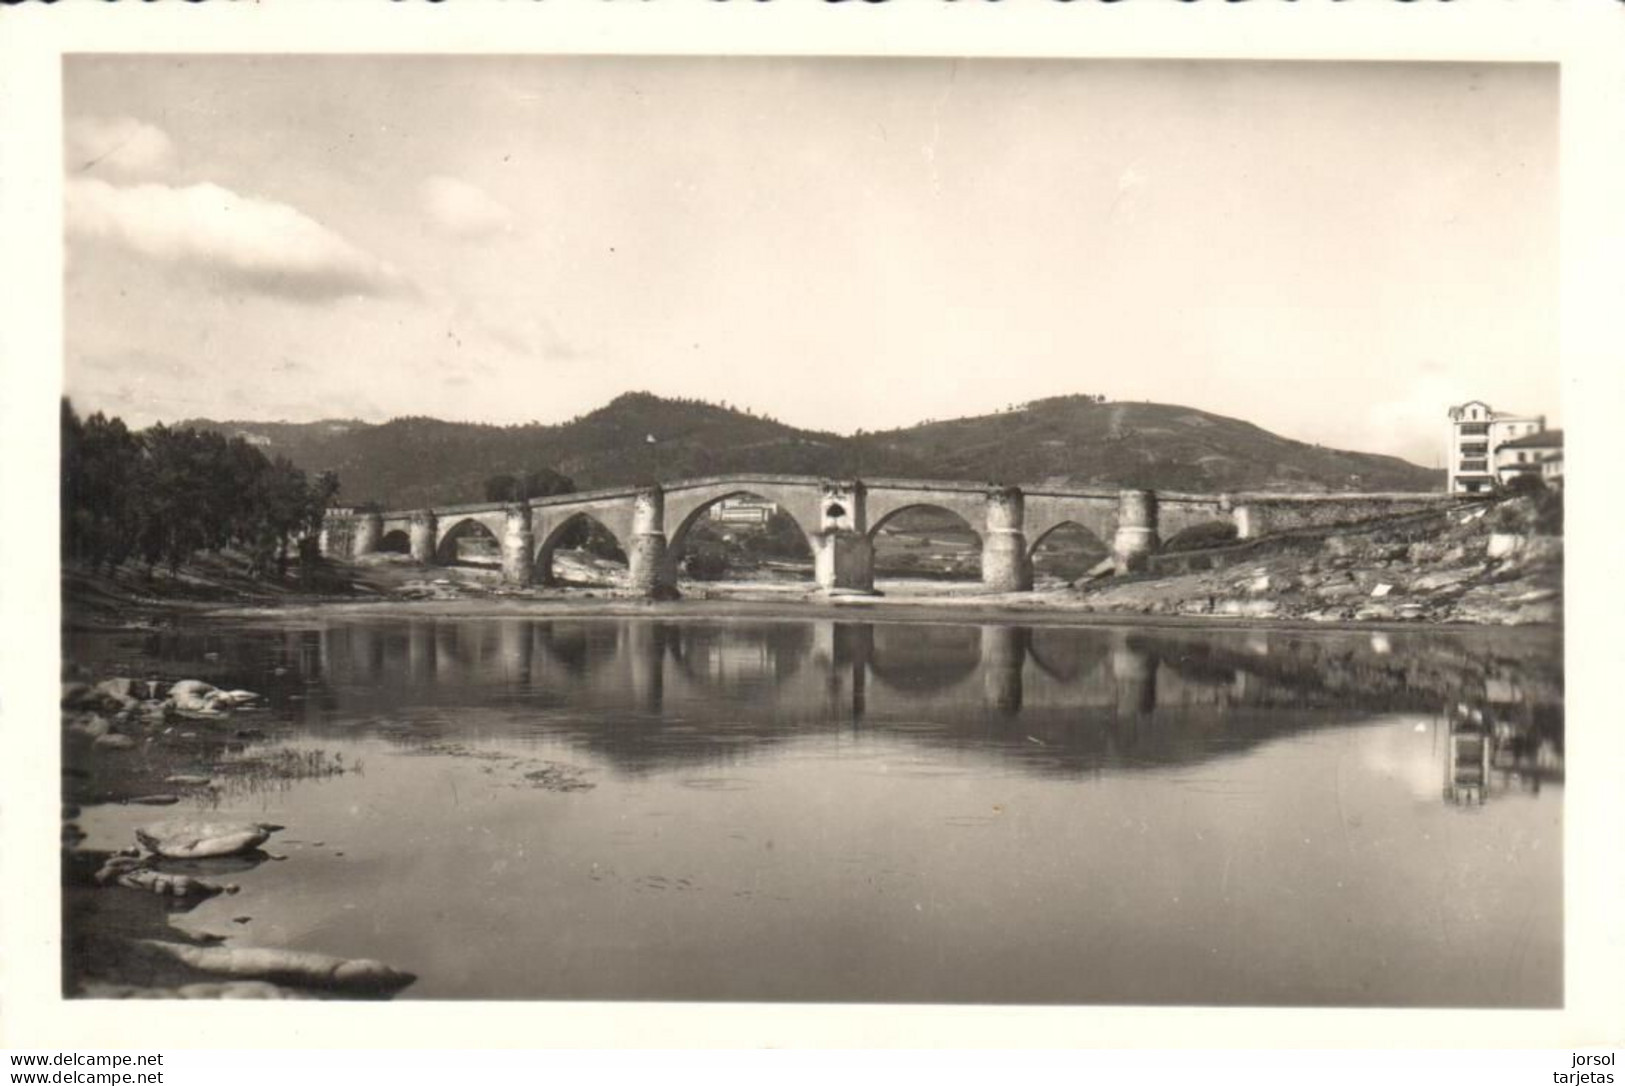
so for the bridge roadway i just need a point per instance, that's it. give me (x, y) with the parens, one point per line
(841, 518)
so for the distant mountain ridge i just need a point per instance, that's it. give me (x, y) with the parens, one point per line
(640, 437)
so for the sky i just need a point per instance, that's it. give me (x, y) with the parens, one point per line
(1335, 251)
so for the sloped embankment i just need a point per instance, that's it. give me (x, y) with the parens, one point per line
(1498, 564)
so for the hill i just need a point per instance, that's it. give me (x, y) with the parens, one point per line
(638, 437)
(1081, 441)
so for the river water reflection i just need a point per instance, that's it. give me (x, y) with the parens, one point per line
(837, 811)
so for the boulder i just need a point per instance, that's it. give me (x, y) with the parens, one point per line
(134, 874)
(114, 741)
(294, 967)
(121, 691)
(194, 696)
(1246, 608)
(1503, 545)
(185, 839)
(1444, 578)
(89, 725)
(78, 695)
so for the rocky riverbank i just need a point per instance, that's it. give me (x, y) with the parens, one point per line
(1498, 564)
(175, 748)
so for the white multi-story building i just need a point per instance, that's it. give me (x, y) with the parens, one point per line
(1539, 454)
(1476, 432)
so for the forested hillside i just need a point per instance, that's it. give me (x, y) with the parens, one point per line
(1078, 440)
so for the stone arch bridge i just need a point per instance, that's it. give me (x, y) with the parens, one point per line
(842, 517)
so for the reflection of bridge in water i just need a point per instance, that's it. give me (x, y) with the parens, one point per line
(648, 693)
(844, 669)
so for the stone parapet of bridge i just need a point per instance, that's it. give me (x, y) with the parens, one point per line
(841, 518)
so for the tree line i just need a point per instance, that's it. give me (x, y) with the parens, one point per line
(164, 494)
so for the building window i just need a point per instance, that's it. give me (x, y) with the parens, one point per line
(1475, 448)
(1475, 428)
(1473, 465)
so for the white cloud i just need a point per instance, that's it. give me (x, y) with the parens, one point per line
(256, 244)
(118, 145)
(463, 210)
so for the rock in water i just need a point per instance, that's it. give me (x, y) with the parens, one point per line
(183, 839)
(296, 967)
(196, 696)
(133, 873)
(235, 697)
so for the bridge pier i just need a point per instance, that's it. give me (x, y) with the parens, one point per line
(652, 575)
(843, 556)
(645, 652)
(517, 545)
(1134, 678)
(425, 529)
(369, 529)
(1006, 566)
(1136, 537)
(1004, 654)
(420, 651)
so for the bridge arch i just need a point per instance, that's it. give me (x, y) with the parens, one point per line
(694, 510)
(1067, 550)
(577, 648)
(1177, 516)
(577, 527)
(449, 549)
(395, 541)
(1068, 655)
(707, 654)
(927, 539)
(923, 658)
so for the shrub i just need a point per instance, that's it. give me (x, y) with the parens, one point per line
(1549, 512)
(1521, 485)
(706, 565)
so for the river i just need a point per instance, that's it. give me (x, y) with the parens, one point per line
(832, 810)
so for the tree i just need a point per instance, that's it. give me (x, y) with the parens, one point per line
(541, 483)
(501, 488)
(165, 494)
